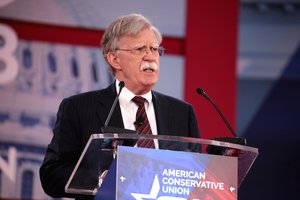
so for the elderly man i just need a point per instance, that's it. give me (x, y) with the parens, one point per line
(131, 47)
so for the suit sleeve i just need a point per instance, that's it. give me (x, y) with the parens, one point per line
(62, 152)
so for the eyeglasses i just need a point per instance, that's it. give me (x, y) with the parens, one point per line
(156, 51)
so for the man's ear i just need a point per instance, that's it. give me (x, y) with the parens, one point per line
(113, 60)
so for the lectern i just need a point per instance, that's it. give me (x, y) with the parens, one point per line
(111, 167)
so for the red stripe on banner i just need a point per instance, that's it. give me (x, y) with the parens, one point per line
(174, 45)
(211, 54)
(75, 35)
(54, 33)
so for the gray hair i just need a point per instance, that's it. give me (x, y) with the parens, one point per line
(131, 24)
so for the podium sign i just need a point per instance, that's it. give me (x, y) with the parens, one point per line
(182, 168)
(174, 175)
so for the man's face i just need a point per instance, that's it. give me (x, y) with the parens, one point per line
(135, 63)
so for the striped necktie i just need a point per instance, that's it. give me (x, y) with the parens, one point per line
(141, 123)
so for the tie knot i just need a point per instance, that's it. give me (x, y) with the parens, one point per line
(139, 101)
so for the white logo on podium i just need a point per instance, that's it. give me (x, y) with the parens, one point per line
(154, 193)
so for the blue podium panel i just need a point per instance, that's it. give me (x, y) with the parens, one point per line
(144, 174)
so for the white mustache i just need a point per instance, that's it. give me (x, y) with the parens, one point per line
(148, 65)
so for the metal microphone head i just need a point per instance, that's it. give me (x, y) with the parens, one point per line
(201, 91)
(121, 84)
(139, 122)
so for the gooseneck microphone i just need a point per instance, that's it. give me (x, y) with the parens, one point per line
(121, 86)
(236, 139)
(202, 93)
(111, 143)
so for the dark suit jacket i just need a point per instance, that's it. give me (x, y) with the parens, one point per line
(81, 115)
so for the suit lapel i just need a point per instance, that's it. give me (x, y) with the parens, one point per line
(161, 113)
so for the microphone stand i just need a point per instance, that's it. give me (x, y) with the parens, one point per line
(234, 140)
(112, 144)
(121, 86)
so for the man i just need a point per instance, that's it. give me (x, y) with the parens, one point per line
(131, 47)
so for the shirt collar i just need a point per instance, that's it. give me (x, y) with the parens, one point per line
(126, 95)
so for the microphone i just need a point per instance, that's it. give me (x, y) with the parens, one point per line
(108, 143)
(121, 86)
(235, 140)
(138, 123)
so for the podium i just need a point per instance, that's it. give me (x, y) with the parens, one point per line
(111, 167)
